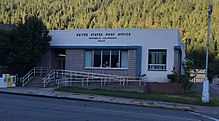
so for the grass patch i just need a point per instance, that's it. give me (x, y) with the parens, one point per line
(193, 98)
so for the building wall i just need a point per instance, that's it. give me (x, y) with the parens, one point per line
(48, 60)
(132, 56)
(144, 38)
(75, 61)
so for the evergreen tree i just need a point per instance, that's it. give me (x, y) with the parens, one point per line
(27, 43)
(4, 40)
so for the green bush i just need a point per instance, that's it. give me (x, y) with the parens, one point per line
(172, 77)
(183, 79)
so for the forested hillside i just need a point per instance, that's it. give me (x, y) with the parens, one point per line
(190, 16)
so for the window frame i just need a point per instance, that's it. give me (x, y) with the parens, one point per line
(110, 59)
(149, 66)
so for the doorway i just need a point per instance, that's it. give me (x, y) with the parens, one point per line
(60, 59)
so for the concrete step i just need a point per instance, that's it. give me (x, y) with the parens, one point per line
(35, 85)
(35, 82)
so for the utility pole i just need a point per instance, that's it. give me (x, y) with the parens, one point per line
(205, 91)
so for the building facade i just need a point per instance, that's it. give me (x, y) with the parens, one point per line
(127, 52)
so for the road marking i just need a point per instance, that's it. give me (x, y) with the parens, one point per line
(99, 109)
(214, 119)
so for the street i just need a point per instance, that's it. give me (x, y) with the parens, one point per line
(29, 108)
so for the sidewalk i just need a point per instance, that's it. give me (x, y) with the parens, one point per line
(49, 92)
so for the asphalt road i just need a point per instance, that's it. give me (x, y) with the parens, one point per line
(29, 108)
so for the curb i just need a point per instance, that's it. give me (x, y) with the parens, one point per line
(37, 95)
(150, 104)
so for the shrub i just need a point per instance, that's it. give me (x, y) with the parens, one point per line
(183, 79)
(172, 77)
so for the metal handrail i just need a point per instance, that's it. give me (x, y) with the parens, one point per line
(48, 77)
(90, 77)
(55, 73)
(102, 81)
(32, 73)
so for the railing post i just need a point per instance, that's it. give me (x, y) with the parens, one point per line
(123, 81)
(22, 82)
(71, 75)
(34, 71)
(57, 83)
(65, 83)
(105, 78)
(105, 82)
(28, 77)
(54, 72)
(41, 71)
(82, 82)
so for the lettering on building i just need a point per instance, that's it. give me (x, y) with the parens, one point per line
(102, 37)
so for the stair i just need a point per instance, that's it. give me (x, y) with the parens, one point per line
(34, 77)
(35, 82)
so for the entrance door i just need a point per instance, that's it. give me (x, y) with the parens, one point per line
(61, 63)
(60, 59)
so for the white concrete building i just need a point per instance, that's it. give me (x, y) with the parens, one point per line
(128, 52)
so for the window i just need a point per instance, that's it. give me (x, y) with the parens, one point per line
(106, 58)
(115, 58)
(157, 59)
(96, 58)
(124, 59)
(88, 56)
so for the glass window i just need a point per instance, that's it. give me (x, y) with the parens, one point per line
(124, 59)
(106, 58)
(88, 56)
(157, 59)
(97, 58)
(115, 59)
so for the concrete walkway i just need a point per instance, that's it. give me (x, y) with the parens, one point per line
(49, 92)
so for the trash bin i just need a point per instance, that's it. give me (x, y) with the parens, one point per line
(3, 83)
(13, 80)
(9, 80)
